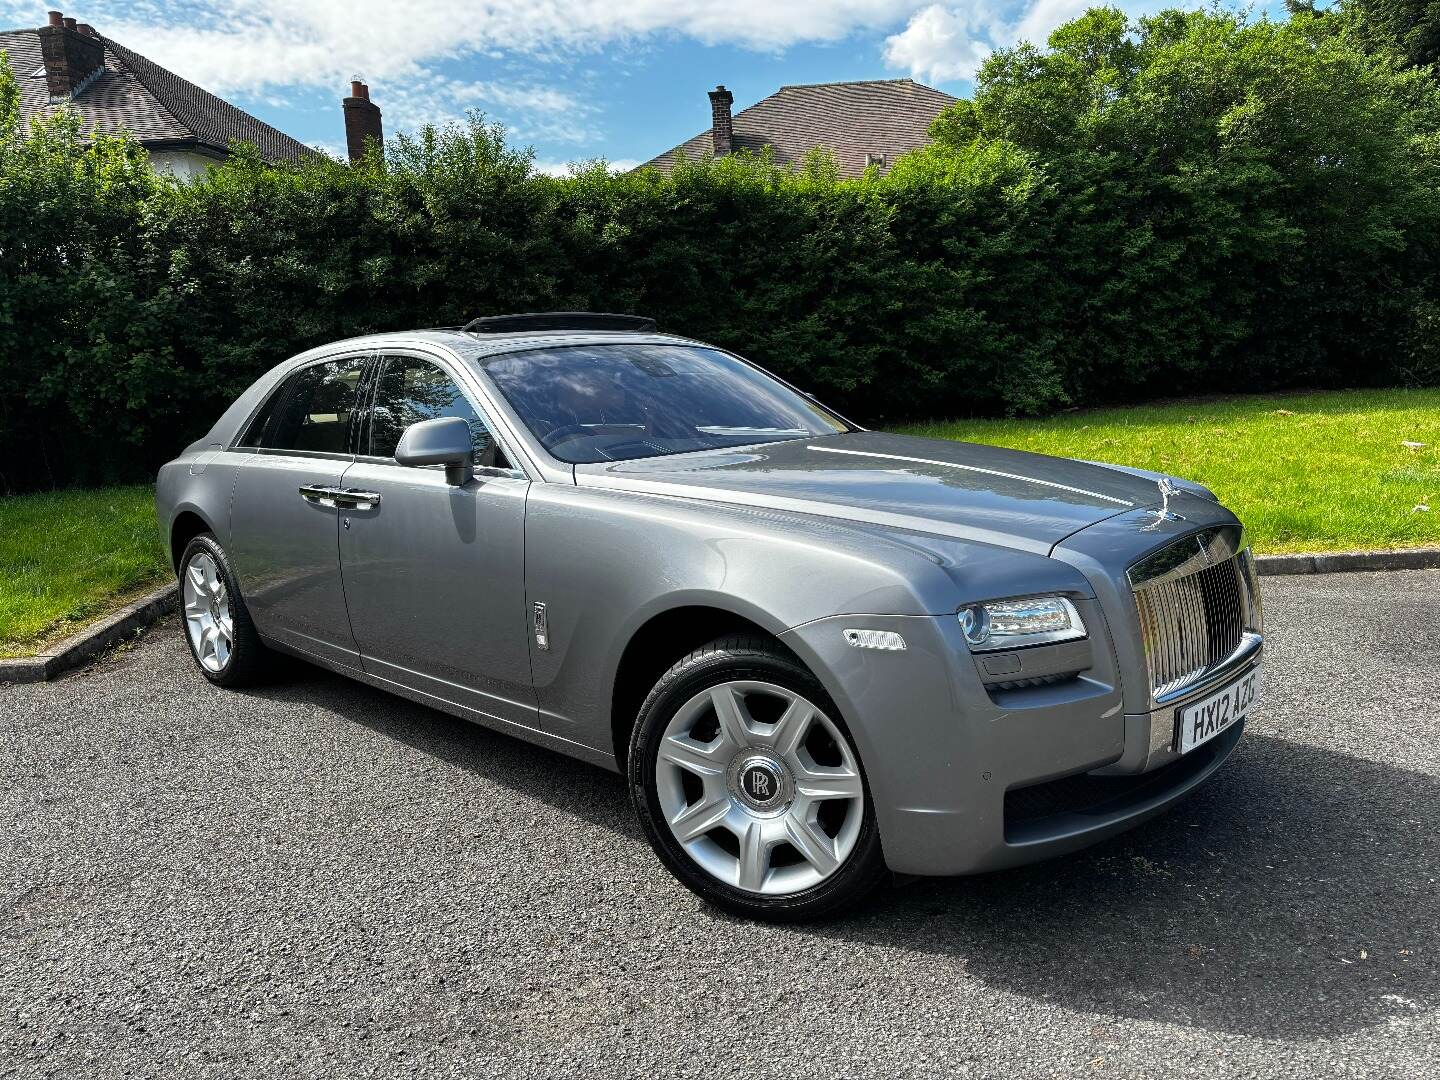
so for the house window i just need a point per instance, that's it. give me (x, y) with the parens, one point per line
(875, 159)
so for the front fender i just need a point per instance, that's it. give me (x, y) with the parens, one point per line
(606, 562)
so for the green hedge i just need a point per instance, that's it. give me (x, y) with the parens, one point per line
(1189, 203)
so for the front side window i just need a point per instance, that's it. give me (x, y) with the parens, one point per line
(592, 403)
(314, 413)
(411, 390)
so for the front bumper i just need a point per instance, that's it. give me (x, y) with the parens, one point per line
(955, 768)
(1152, 738)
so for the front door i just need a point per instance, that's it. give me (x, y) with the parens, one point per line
(435, 574)
(284, 531)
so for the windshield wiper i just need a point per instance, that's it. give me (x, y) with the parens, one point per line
(721, 429)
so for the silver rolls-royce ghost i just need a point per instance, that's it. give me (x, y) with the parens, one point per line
(818, 653)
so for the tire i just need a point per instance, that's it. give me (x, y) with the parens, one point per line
(239, 659)
(748, 785)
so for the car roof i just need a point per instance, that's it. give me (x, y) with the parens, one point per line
(478, 346)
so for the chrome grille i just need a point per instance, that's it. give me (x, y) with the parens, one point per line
(1195, 613)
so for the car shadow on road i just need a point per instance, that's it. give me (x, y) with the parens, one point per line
(1294, 896)
(565, 783)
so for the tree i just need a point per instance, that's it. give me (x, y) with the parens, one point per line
(1238, 202)
(1409, 27)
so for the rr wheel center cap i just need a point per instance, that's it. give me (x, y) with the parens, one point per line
(761, 782)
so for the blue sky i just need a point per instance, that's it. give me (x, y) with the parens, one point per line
(575, 79)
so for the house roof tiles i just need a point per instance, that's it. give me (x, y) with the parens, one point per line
(154, 104)
(885, 117)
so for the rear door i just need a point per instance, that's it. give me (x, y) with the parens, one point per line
(284, 530)
(435, 574)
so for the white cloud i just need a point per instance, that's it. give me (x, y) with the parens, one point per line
(944, 42)
(280, 50)
(269, 49)
(565, 168)
(529, 111)
(940, 44)
(230, 45)
(339, 151)
(1036, 25)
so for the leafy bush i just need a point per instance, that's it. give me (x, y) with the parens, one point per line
(1190, 202)
(1237, 204)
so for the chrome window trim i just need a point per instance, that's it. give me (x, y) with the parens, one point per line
(479, 470)
(314, 455)
(259, 451)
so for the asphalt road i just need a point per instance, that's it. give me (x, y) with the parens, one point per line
(317, 879)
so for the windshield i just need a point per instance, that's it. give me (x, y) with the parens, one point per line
(589, 403)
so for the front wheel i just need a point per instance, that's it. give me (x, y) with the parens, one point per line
(749, 787)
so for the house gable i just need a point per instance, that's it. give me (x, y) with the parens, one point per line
(860, 122)
(165, 113)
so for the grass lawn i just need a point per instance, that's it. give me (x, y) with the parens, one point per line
(1305, 472)
(67, 557)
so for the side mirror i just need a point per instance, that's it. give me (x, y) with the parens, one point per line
(445, 441)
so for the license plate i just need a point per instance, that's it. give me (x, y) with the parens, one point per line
(1201, 722)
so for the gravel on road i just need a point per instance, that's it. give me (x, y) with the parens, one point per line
(318, 879)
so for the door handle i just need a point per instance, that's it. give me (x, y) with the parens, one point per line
(356, 499)
(319, 494)
(345, 498)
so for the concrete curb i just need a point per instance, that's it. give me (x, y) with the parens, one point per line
(1345, 562)
(129, 621)
(133, 618)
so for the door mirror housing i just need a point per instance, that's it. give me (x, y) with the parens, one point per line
(444, 441)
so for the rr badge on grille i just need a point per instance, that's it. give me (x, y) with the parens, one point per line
(1204, 549)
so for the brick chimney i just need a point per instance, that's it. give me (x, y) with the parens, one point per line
(722, 127)
(362, 120)
(74, 57)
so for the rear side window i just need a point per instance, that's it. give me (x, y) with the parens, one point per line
(255, 433)
(318, 404)
(410, 390)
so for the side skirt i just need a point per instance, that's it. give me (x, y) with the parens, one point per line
(556, 743)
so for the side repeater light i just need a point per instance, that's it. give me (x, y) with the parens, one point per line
(885, 640)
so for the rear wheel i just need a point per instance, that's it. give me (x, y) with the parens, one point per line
(218, 630)
(749, 787)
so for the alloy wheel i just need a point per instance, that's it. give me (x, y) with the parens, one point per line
(760, 787)
(207, 612)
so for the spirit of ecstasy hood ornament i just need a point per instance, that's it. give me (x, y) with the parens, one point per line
(1167, 487)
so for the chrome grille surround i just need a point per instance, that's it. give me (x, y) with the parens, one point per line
(1198, 602)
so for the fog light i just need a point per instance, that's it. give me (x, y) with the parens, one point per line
(1009, 624)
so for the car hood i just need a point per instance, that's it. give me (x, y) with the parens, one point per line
(984, 493)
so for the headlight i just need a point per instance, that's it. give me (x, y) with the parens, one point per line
(1010, 624)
